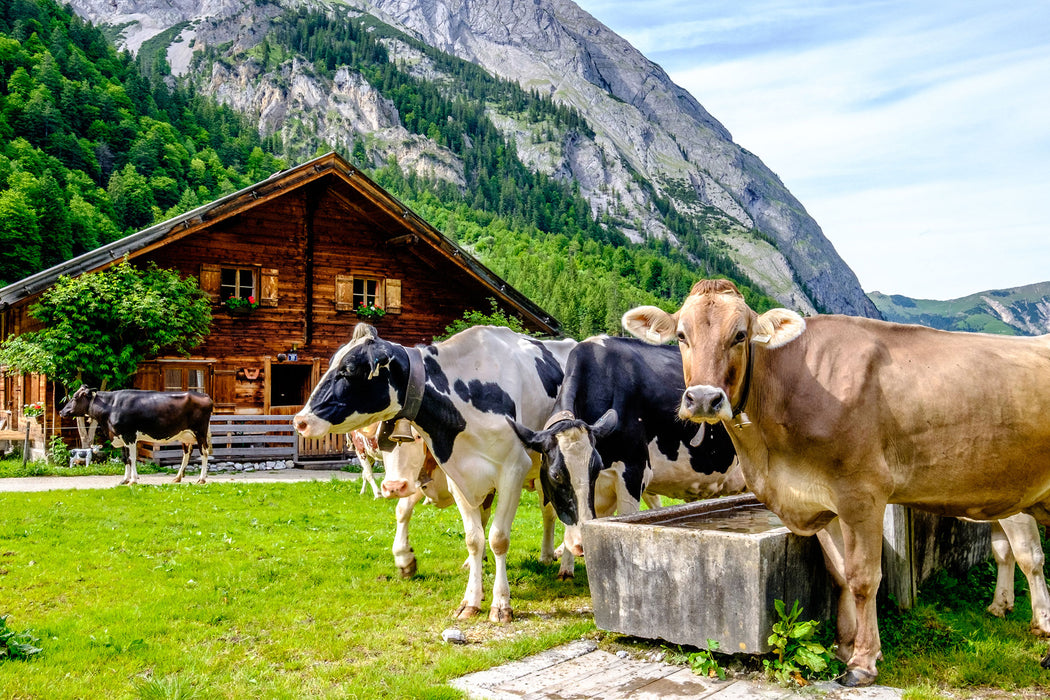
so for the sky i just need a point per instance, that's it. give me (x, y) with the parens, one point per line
(916, 134)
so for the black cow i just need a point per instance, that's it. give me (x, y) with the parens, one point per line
(617, 409)
(131, 415)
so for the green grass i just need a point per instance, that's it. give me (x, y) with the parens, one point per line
(255, 590)
(235, 590)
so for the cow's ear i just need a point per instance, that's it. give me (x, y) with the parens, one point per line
(606, 424)
(777, 327)
(530, 438)
(651, 324)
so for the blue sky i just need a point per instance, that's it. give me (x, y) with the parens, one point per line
(917, 134)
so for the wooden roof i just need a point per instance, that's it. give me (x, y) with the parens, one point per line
(360, 194)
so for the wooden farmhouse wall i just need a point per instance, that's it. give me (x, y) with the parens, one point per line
(307, 244)
(305, 248)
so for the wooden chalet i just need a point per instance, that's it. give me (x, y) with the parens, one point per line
(311, 244)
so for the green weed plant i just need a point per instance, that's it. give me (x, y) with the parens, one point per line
(799, 656)
(16, 645)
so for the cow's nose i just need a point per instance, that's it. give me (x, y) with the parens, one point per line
(397, 488)
(702, 401)
(301, 425)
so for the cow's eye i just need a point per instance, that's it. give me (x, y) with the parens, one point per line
(740, 337)
(681, 338)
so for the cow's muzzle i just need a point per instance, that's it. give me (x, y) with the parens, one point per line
(705, 404)
(310, 426)
(395, 488)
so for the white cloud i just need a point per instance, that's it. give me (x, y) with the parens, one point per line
(915, 134)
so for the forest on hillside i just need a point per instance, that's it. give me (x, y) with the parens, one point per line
(98, 144)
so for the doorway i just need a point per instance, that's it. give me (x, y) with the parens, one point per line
(289, 384)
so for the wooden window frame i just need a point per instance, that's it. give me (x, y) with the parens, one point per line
(238, 288)
(185, 369)
(264, 283)
(387, 295)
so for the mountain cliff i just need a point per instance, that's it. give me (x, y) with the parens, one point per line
(650, 161)
(1017, 311)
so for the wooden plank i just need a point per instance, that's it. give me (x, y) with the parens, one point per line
(614, 678)
(683, 683)
(582, 667)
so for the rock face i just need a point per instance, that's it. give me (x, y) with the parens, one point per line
(646, 127)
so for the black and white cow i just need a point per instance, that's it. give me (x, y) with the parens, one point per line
(459, 393)
(131, 415)
(617, 412)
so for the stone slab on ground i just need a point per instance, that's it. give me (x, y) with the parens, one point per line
(580, 670)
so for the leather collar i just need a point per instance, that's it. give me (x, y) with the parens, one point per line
(417, 379)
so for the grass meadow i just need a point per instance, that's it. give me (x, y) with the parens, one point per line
(288, 590)
(255, 590)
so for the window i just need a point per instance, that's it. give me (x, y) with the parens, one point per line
(184, 379)
(220, 282)
(366, 292)
(351, 291)
(236, 282)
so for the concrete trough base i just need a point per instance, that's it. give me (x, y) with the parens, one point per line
(711, 570)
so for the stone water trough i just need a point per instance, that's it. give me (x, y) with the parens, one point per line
(710, 570)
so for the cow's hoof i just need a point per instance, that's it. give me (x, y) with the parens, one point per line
(408, 570)
(856, 678)
(465, 612)
(124, 482)
(566, 575)
(501, 614)
(999, 610)
(177, 480)
(201, 481)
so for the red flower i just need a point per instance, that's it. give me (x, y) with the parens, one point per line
(251, 300)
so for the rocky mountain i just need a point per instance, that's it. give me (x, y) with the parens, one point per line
(650, 148)
(1017, 311)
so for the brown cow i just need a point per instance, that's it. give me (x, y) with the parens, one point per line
(131, 415)
(838, 416)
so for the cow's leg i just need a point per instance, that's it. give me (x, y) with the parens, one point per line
(486, 513)
(830, 539)
(404, 556)
(205, 450)
(652, 500)
(567, 568)
(862, 547)
(126, 453)
(187, 450)
(474, 535)
(368, 476)
(132, 473)
(1023, 534)
(499, 543)
(1003, 597)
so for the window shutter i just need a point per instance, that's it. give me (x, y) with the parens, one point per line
(344, 292)
(211, 277)
(268, 287)
(393, 296)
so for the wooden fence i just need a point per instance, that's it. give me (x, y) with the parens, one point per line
(257, 438)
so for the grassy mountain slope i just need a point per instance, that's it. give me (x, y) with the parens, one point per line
(98, 144)
(1017, 311)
